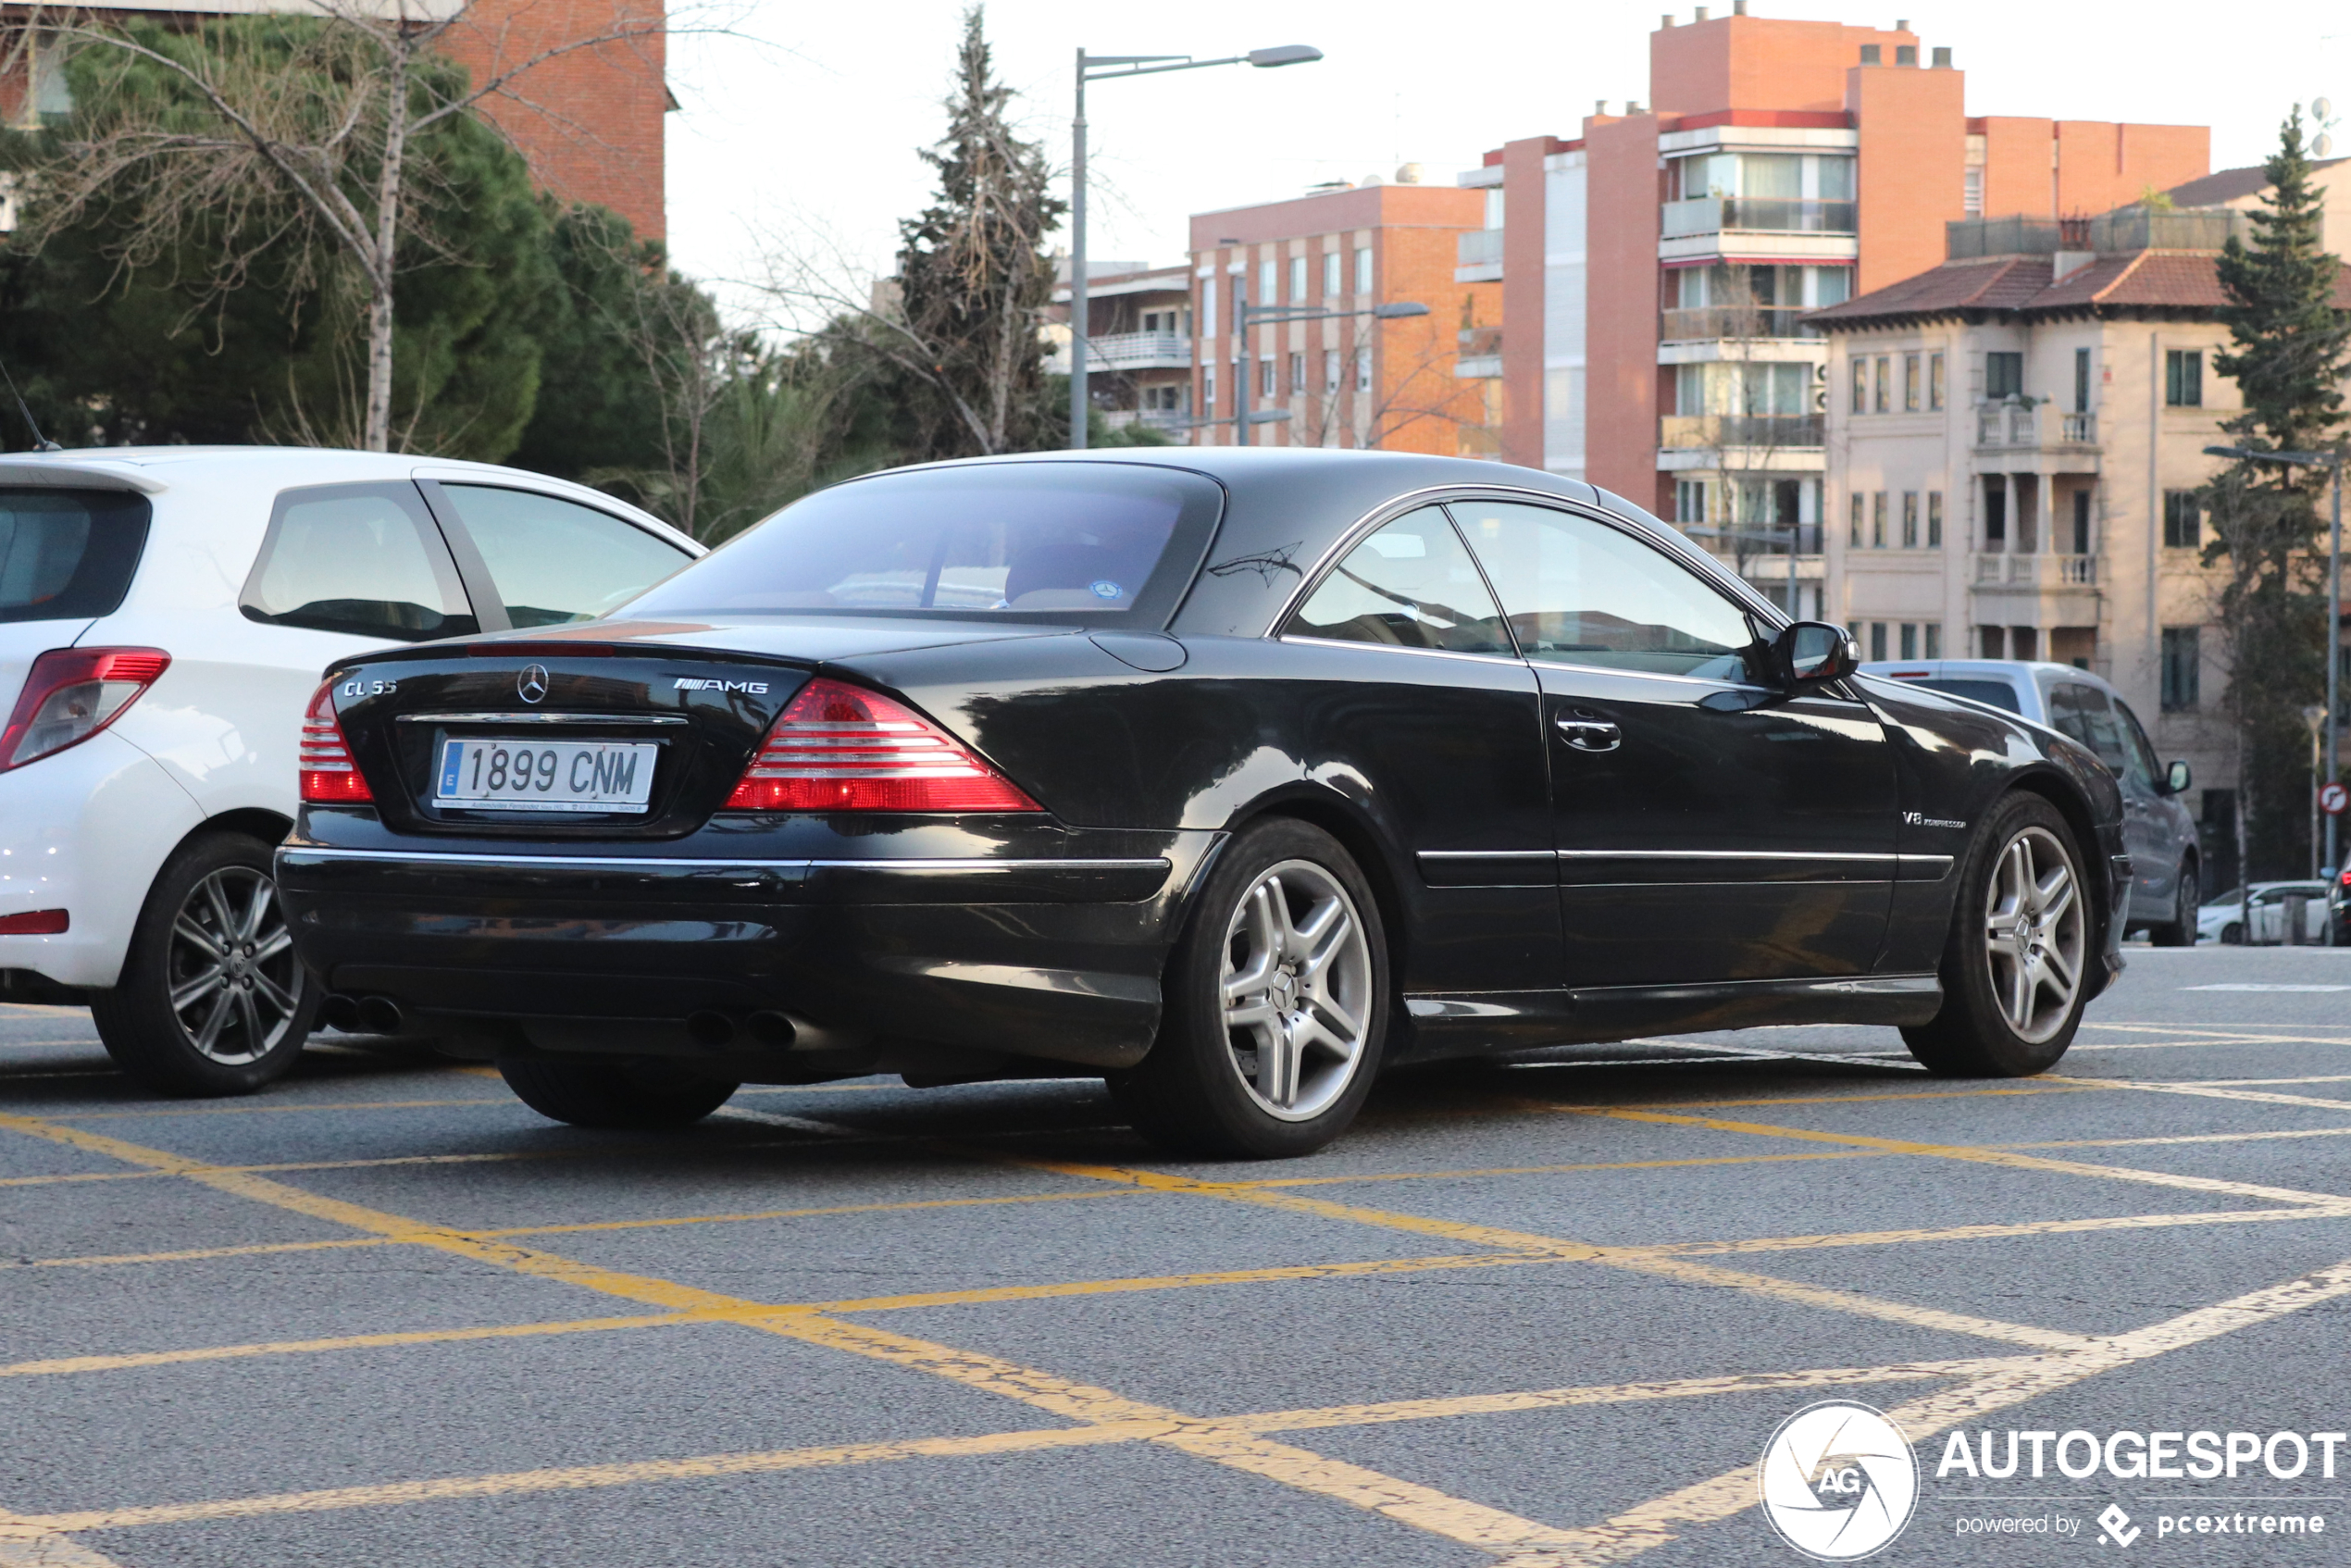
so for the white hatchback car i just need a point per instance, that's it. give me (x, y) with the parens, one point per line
(165, 614)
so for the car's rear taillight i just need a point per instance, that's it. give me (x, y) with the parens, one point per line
(841, 748)
(72, 693)
(329, 776)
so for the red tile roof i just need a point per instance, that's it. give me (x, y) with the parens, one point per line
(2001, 283)
(2187, 280)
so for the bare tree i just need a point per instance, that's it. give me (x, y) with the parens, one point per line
(309, 128)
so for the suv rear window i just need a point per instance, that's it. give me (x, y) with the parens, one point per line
(1999, 693)
(1042, 540)
(68, 555)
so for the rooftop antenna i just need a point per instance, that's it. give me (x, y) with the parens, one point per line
(40, 442)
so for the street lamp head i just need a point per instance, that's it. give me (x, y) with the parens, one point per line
(1286, 55)
(1269, 416)
(1401, 310)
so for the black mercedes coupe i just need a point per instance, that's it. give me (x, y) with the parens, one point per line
(1233, 777)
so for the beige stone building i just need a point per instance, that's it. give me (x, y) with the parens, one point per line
(2012, 439)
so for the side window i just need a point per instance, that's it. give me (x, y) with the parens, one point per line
(365, 559)
(2082, 713)
(2135, 743)
(1411, 585)
(1581, 592)
(556, 561)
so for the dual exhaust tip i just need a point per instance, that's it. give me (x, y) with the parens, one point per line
(709, 1028)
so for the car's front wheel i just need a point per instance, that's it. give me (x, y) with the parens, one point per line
(1277, 1004)
(2180, 930)
(211, 999)
(627, 1092)
(2017, 966)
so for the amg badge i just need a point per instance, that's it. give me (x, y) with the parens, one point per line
(691, 683)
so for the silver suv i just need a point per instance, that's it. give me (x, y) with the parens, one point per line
(2156, 829)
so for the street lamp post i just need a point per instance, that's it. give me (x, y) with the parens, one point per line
(2332, 462)
(1111, 68)
(1246, 316)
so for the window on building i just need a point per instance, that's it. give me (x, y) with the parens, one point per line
(1854, 540)
(1330, 370)
(1877, 640)
(1265, 375)
(1689, 501)
(1240, 303)
(2081, 380)
(1362, 269)
(1207, 388)
(2081, 522)
(1363, 359)
(1883, 400)
(2183, 520)
(1266, 278)
(2182, 662)
(2003, 376)
(1935, 519)
(1913, 393)
(1995, 514)
(1933, 631)
(1332, 265)
(1860, 386)
(1935, 381)
(1298, 280)
(1877, 520)
(1208, 303)
(1909, 523)
(1995, 639)
(1971, 195)
(2184, 377)
(1910, 640)
(1296, 374)
(1831, 285)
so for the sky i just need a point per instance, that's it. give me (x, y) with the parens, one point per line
(798, 124)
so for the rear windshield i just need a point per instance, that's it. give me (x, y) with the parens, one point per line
(1055, 542)
(68, 555)
(1999, 693)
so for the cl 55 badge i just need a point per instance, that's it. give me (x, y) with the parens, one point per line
(690, 683)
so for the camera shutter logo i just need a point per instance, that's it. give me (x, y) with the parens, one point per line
(1838, 1481)
(532, 684)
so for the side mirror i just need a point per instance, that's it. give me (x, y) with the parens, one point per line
(2176, 778)
(1814, 653)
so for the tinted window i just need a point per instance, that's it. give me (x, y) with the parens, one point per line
(1411, 585)
(2082, 713)
(1072, 541)
(1999, 693)
(556, 561)
(1581, 592)
(2134, 742)
(67, 554)
(365, 559)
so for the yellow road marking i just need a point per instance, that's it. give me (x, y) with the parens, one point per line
(2072, 1086)
(276, 1108)
(1421, 1506)
(1974, 1154)
(2181, 1138)
(1654, 1523)
(197, 1254)
(2256, 1097)
(1554, 1170)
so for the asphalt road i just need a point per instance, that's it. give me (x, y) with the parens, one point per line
(1545, 1313)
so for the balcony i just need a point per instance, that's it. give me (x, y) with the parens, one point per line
(1714, 323)
(1767, 215)
(2036, 572)
(1139, 351)
(1477, 255)
(2021, 424)
(1685, 431)
(1480, 355)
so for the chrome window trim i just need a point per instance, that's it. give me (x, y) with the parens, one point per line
(1399, 648)
(540, 718)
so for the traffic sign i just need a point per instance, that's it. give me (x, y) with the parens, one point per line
(2332, 798)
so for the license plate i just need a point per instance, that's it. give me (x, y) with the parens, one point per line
(603, 776)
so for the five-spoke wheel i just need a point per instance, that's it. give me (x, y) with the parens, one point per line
(1296, 991)
(2035, 934)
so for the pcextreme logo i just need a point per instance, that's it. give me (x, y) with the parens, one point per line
(1838, 1481)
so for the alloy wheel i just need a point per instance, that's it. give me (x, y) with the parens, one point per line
(235, 981)
(2036, 932)
(1296, 991)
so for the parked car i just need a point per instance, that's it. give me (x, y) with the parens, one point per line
(1221, 774)
(2166, 868)
(164, 615)
(2222, 920)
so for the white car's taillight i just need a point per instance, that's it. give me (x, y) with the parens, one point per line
(72, 693)
(837, 747)
(329, 776)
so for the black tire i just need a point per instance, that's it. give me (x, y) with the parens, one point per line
(1204, 1088)
(1977, 1035)
(2180, 930)
(2233, 934)
(212, 916)
(621, 1093)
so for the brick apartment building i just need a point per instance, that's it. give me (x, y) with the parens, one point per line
(1654, 268)
(2015, 439)
(1138, 341)
(1345, 380)
(587, 119)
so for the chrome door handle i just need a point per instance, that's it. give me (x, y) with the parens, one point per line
(1590, 734)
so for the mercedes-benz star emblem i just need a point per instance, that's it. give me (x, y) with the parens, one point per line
(532, 684)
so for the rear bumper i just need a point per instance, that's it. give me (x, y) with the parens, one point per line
(1010, 952)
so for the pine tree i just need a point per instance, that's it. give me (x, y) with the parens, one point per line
(2292, 343)
(973, 276)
